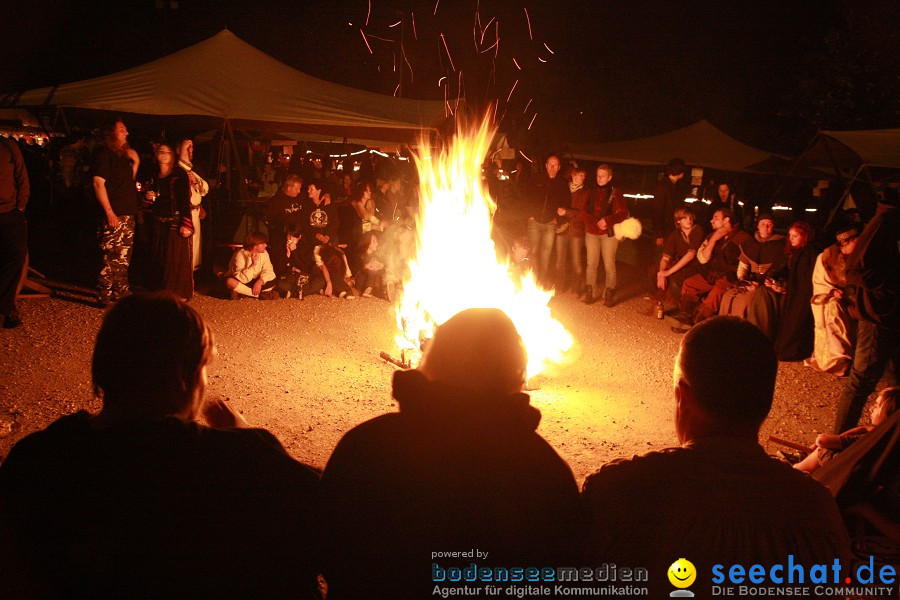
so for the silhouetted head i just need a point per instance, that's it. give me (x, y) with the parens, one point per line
(724, 379)
(478, 349)
(150, 358)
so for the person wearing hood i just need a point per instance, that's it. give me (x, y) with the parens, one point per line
(460, 466)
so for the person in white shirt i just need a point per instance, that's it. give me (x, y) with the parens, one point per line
(250, 271)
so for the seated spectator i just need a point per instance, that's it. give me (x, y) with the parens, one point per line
(268, 181)
(250, 271)
(283, 213)
(292, 274)
(520, 257)
(332, 276)
(370, 267)
(834, 327)
(677, 262)
(718, 255)
(829, 444)
(459, 466)
(318, 220)
(362, 203)
(761, 254)
(142, 501)
(717, 499)
(781, 308)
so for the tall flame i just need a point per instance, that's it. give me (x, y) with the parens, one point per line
(456, 266)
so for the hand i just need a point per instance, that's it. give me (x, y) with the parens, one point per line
(150, 196)
(659, 241)
(328, 291)
(838, 294)
(111, 219)
(202, 213)
(828, 440)
(322, 238)
(561, 212)
(718, 234)
(220, 414)
(257, 287)
(185, 232)
(602, 223)
(254, 258)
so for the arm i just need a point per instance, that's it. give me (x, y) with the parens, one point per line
(742, 269)
(682, 263)
(135, 162)
(20, 173)
(242, 267)
(103, 198)
(704, 254)
(267, 273)
(181, 188)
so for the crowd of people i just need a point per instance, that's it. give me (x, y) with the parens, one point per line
(144, 500)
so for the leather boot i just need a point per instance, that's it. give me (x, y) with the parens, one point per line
(588, 294)
(609, 298)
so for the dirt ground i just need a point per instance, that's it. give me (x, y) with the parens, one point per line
(309, 371)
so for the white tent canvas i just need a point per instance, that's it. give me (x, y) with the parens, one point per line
(226, 77)
(700, 144)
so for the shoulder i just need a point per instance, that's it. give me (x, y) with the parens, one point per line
(621, 477)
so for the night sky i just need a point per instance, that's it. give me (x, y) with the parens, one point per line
(767, 72)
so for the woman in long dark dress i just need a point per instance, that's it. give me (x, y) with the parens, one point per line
(781, 309)
(172, 227)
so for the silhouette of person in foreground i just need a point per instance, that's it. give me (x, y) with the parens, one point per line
(459, 467)
(142, 501)
(717, 499)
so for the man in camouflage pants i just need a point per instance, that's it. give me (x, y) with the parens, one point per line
(113, 169)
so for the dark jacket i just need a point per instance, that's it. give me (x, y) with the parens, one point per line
(451, 470)
(547, 195)
(873, 269)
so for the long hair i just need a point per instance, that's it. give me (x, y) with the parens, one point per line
(109, 137)
(806, 232)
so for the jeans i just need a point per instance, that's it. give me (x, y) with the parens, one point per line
(542, 236)
(607, 246)
(876, 347)
(572, 246)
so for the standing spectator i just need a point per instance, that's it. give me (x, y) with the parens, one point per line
(14, 192)
(549, 192)
(835, 328)
(604, 208)
(570, 235)
(718, 498)
(141, 500)
(114, 168)
(172, 227)
(199, 188)
(873, 278)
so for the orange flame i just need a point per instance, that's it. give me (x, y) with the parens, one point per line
(456, 265)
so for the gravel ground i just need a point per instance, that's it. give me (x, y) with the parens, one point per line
(309, 371)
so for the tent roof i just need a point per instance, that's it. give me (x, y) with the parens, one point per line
(876, 147)
(226, 77)
(699, 144)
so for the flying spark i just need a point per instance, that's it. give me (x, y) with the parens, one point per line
(532, 121)
(512, 90)
(515, 62)
(443, 39)
(548, 48)
(527, 18)
(366, 41)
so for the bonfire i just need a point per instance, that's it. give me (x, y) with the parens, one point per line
(456, 265)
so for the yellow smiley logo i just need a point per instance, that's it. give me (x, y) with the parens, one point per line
(682, 573)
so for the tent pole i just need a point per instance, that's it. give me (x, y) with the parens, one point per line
(242, 183)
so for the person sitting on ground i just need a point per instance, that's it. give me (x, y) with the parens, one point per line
(459, 466)
(143, 501)
(369, 275)
(781, 308)
(835, 328)
(318, 219)
(362, 203)
(291, 274)
(719, 254)
(332, 276)
(520, 263)
(677, 262)
(761, 254)
(829, 444)
(250, 271)
(717, 499)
